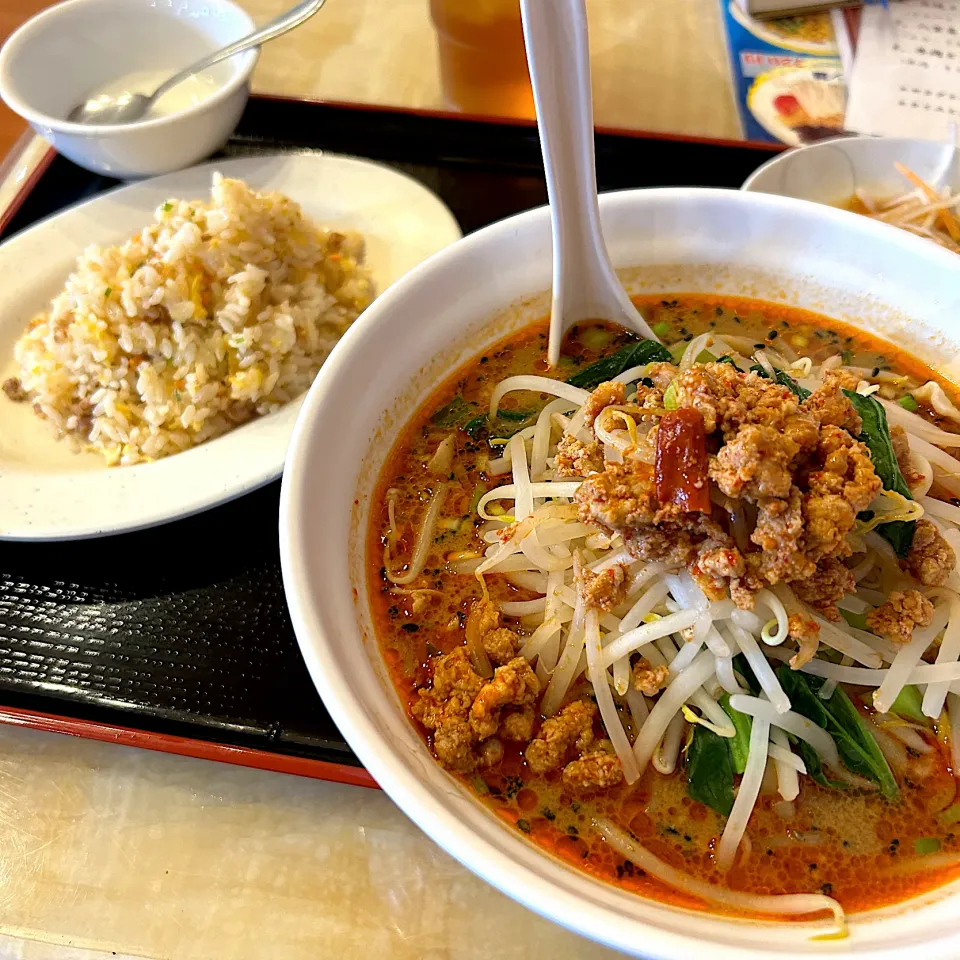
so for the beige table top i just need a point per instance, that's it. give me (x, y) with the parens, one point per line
(657, 64)
(110, 849)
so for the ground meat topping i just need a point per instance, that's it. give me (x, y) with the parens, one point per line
(649, 680)
(517, 724)
(717, 562)
(831, 581)
(662, 374)
(455, 674)
(499, 643)
(571, 727)
(807, 634)
(623, 500)
(755, 463)
(779, 535)
(837, 492)
(728, 399)
(513, 684)
(605, 590)
(931, 559)
(790, 471)
(13, 388)
(897, 618)
(445, 708)
(490, 753)
(597, 770)
(828, 404)
(578, 459)
(606, 395)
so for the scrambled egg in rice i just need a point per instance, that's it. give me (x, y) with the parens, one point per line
(214, 314)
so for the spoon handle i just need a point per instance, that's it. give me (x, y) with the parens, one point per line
(585, 285)
(275, 28)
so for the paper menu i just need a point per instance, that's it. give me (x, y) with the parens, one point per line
(906, 76)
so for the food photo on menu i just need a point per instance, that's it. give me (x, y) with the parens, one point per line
(480, 479)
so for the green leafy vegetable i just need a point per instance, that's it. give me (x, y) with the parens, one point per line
(710, 771)
(876, 435)
(661, 329)
(811, 760)
(453, 414)
(518, 416)
(475, 426)
(858, 620)
(632, 355)
(841, 719)
(739, 744)
(745, 672)
(908, 705)
(504, 426)
(925, 845)
(908, 403)
(726, 358)
(785, 380)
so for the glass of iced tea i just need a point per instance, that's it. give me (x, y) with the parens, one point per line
(483, 64)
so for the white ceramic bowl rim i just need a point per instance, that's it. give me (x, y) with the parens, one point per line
(240, 75)
(514, 875)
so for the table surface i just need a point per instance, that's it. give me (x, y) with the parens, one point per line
(657, 64)
(112, 851)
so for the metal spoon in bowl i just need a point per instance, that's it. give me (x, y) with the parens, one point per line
(585, 286)
(128, 107)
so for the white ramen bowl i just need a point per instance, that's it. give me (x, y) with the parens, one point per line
(77, 48)
(830, 171)
(446, 311)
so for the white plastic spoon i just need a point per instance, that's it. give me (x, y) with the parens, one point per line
(585, 286)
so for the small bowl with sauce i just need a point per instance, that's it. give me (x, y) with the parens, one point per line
(83, 47)
(848, 171)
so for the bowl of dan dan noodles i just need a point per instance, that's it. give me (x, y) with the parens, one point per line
(663, 642)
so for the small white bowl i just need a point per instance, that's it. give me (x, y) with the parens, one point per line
(830, 171)
(449, 309)
(73, 50)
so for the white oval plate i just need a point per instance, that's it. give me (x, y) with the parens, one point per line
(48, 492)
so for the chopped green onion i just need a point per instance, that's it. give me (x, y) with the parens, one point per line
(908, 403)
(478, 491)
(678, 349)
(705, 356)
(661, 329)
(167, 207)
(950, 816)
(107, 292)
(925, 845)
(670, 398)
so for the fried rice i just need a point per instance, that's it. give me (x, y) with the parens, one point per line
(214, 314)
